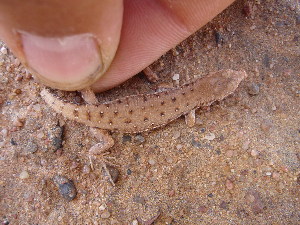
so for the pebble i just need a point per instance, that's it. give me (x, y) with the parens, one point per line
(86, 169)
(105, 215)
(135, 222)
(31, 146)
(253, 89)
(152, 162)
(56, 138)
(176, 77)
(66, 187)
(3, 50)
(24, 175)
(276, 175)
(114, 173)
(139, 199)
(102, 207)
(255, 201)
(169, 160)
(179, 146)
(139, 139)
(196, 144)
(203, 209)
(126, 138)
(224, 205)
(18, 122)
(176, 134)
(210, 136)
(245, 145)
(254, 153)
(268, 173)
(229, 185)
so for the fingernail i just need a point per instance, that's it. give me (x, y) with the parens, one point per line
(65, 61)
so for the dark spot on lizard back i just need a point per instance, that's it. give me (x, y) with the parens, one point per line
(76, 113)
(176, 109)
(130, 111)
(116, 113)
(162, 103)
(107, 105)
(162, 114)
(146, 119)
(88, 115)
(101, 114)
(119, 101)
(173, 99)
(110, 122)
(127, 121)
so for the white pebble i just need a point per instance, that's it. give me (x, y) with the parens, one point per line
(105, 215)
(3, 50)
(102, 207)
(135, 222)
(268, 173)
(210, 136)
(24, 175)
(152, 162)
(176, 76)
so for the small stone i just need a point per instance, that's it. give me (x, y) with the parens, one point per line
(253, 27)
(253, 89)
(196, 144)
(66, 187)
(139, 139)
(224, 205)
(203, 209)
(255, 201)
(276, 175)
(31, 146)
(169, 160)
(179, 146)
(210, 195)
(102, 207)
(176, 77)
(274, 107)
(114, 173)
(126, 138)
(24, 175)
(135, 222)
(86, 169)
(210, 137)
(268, 173)
(19, 77)
(152, 162)
(176, 135)
(139, 199)
(254, 153)
(18, 122)
(105, 215)
(229, 185)
(245, 145)
(3, 50)
(129, 172)
(56, 138)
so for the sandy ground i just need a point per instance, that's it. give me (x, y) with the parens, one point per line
(238, 165)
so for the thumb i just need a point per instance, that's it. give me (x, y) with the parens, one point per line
(67, 44)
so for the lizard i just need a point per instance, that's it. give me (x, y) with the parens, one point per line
(143, 112)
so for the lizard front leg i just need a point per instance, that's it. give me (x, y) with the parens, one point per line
(105, 140)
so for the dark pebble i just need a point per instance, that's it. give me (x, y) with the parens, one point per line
(5, 222)
(13, 142)
(114, 173)
(126, 138)
(203, 209)
(266, 61)
(218, 151)
(129, 172)
(56, 138)
(196, 144)
(210, 195)
(253, 89)
(224, 205)
(298, 179)
(298, 19)
(139, 199)
(219, 38)
(139, 139)
(202, 130)
(66, 187)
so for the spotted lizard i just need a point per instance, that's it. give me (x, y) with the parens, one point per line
(143, 112)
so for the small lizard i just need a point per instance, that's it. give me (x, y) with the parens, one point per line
(138, 113)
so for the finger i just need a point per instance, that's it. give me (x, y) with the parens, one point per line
(67, 44)
(152, 27)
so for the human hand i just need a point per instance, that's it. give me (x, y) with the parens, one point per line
(73, 44)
